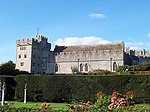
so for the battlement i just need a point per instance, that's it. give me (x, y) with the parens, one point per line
(29, 41)
(40, 38)
(22, 42)
(139, 52)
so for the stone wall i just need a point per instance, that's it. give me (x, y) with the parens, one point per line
(96, 59)
(24, 54)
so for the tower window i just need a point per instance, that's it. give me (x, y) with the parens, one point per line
(25, 56)
(22, 48)
(21, 63)
(33, 56)
(33, 64)
(19, 56)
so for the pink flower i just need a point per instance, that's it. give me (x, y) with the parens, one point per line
(45, 105)
(75, 105)
(82, 106)
(115, 93)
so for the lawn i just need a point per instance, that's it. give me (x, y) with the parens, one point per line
(55, 106)
(64, 106)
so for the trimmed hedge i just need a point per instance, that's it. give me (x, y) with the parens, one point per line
(10, 85)
(80, 87)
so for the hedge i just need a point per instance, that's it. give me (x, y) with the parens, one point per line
(10, 85)
(80, 87)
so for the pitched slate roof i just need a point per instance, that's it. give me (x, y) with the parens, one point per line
(88, 47)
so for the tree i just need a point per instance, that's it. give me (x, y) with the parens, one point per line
(7, 68)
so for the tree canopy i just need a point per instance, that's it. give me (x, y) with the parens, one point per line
(8, 68)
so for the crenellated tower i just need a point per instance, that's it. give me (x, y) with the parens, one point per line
(32, 54)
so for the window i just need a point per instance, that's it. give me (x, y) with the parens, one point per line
(114, 66)
(56, 68)
(33, 64)
(86, 67)
(19, 56)
(21, 63)
(33, 56)
(22, 48)
(81, 67)
(25, 56)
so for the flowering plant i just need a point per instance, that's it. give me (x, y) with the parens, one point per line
(131, 94)
(80, 106)
(44, 106)
(117, 101)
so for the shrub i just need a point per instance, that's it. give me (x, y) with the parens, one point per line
(100, 72)
(140, 67)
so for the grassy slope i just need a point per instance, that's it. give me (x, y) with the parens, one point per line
(38, 104)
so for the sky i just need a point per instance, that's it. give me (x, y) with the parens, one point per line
(74, 22)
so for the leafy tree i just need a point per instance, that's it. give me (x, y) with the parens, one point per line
(8, 68)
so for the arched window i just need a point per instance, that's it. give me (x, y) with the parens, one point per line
(56, 68)
(114, 66)
(81, 67)
(86, 67)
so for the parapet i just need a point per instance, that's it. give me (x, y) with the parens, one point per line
(22, 42)
(40, 38)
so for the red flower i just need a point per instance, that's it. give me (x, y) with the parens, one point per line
(131, 94)
(115, 93)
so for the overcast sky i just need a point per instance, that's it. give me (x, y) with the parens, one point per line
(73, 22)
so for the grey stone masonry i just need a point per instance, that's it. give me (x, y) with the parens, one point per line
(34, 55)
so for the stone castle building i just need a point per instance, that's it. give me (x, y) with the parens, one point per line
(34, 55)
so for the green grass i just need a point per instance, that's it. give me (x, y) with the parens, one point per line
(142, 105)
(63, 106)
(55, 106)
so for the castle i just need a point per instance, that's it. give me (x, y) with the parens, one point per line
(34, 55)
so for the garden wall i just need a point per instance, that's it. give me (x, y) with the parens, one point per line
(80, 87)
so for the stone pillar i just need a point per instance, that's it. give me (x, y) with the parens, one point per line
(78, 66)
(111, 64)
(25, 92)
(0, 90)
(3, 94)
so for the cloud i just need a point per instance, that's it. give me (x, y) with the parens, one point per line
(80, 41)
(97, 16)
(148, 35)
(135, 45)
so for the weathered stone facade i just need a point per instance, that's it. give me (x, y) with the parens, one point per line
(85, 58)
(35, 56)
(136, 56)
